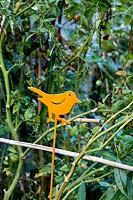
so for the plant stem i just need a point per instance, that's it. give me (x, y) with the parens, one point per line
(95, 137)
(113, 116)
(83, 177)
(15, 180)
(25, 9)
(10, 123)
(59, 193)
(8, 113)
(89, 181)
(83, 152)
(121, 127)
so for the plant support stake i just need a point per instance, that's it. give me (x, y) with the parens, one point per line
(58, 104)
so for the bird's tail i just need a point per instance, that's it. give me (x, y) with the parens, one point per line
(37, 91)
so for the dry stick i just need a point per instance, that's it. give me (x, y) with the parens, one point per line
(67, 153)
(87, 120)
(83, 114)
(53, 158)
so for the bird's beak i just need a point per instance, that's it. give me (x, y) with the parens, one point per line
(77, 100)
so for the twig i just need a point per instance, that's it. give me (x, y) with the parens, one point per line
(121, 13)
(67, 153)
(87, 120)
(83, 114)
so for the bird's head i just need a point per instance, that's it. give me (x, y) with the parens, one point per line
(71, 96)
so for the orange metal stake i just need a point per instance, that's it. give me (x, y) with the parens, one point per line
(58, 104)
(53, 159)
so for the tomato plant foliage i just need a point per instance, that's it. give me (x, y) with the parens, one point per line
(79, 45)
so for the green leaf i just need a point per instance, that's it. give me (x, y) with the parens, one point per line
(64, 168)
(30, 36)
(45, 171)
(37, 120)
(74, 131)
(126, 91)
(28, 114)
(109, 155)
(95, 129)
(111, 66)
(119, 105)
(129, 149)
(118, 196)
(58, 179)
(12, 150)
(102, 107)
(108, 45)
(5, 162)
(121, 180)
(126, 138)
(7, 171)
(123, 177)
(49, 19)
(15, 108)
(104, 184)
(33, 19)
(108, 194)
(35, 7)
(129, 189)
(13, 157)
(128, 131)
(83, 128)
(82, 192)
(12, 26)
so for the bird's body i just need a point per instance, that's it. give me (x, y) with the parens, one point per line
(58, 104)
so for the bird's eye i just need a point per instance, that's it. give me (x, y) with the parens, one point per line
(69, 94)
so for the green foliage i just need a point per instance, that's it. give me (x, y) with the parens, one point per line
(79, 45)
(82, 192)
(121, 180)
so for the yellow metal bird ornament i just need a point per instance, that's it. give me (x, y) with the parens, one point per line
(58, 104)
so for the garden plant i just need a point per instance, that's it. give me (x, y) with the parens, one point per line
(84, 46)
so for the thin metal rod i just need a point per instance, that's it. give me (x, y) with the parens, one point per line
(53, 159)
